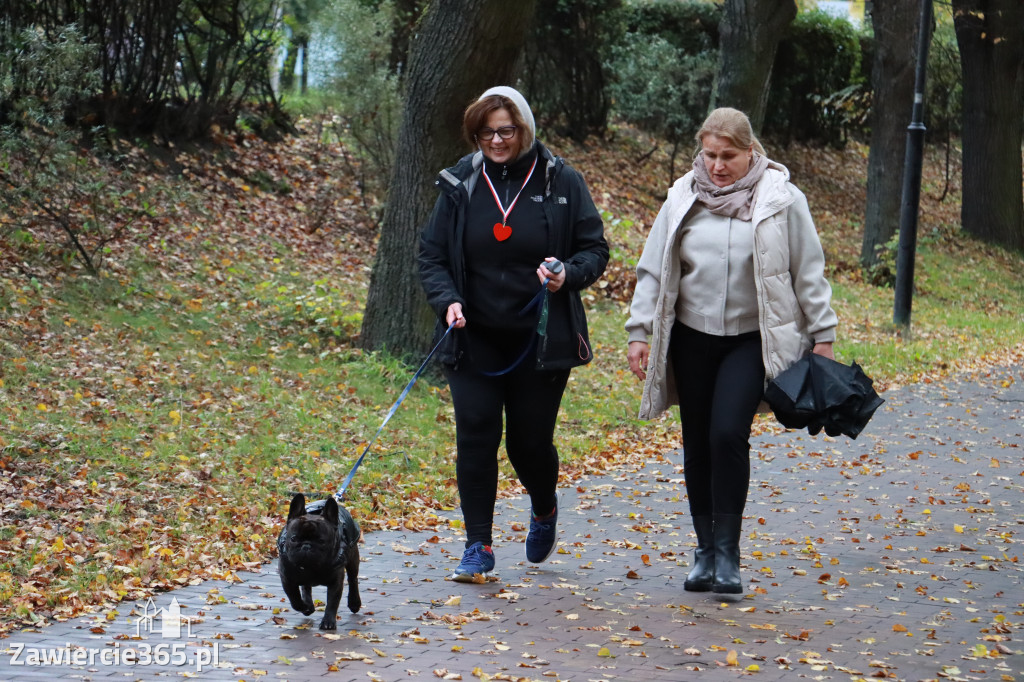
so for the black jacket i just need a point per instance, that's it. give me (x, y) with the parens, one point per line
(575, 236)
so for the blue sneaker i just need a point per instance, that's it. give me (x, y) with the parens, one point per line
(477, 562)
(541, 540)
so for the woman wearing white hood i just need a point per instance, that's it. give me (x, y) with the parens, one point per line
(513, 238)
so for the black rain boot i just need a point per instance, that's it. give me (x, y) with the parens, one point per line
(727, 554)
(703, 573)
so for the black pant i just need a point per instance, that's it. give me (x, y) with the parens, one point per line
(529, 399)
(721, 382)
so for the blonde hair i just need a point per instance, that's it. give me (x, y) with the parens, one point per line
(733, 125)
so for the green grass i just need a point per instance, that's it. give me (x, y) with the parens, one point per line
(968, 304)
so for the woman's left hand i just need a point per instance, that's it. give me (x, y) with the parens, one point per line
(555, 280)
(824, 350)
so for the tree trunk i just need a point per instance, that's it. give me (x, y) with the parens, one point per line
(749, 36)
(304, 46)
(462, 49)
(896, 25)
(990, 34)
(286, 76)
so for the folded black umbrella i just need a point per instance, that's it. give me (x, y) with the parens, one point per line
(818, 393)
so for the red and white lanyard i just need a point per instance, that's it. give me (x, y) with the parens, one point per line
(502, 231)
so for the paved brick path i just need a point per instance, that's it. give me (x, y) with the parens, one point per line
(896, 556)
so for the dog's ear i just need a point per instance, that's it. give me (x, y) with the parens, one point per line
(298, 507)
(331, 512)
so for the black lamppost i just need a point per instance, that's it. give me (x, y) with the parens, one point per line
(912, 179)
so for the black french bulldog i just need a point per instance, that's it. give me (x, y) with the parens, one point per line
(318, 546)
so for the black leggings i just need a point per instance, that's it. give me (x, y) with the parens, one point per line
(529, 399)
(720, 381)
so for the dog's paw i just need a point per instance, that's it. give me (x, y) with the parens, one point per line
(304, 609)
(354, 604)
(328, 624)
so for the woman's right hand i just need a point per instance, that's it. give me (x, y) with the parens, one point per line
(455, 315)
(638, 352)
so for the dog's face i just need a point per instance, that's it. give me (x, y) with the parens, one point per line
(310, 541)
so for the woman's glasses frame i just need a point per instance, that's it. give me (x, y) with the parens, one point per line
(504, 132)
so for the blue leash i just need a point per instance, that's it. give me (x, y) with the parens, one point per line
(537, 301)
(315, 507)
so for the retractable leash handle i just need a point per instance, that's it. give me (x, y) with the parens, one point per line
(554, 267)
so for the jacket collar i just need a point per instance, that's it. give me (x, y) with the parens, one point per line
(773, 196)
(466, 172)
(515, 169)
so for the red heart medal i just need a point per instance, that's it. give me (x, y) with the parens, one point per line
(501, 230)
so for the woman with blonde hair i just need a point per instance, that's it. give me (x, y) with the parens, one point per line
(730, 291)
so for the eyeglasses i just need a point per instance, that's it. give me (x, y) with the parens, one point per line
(504, 132)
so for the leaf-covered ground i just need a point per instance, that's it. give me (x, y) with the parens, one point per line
(895, 556)
(155, 420)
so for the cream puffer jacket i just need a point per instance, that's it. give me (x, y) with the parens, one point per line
(793, 296)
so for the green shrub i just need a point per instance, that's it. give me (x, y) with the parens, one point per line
(818, 58)
(64, 201)
(662, 90)
(663, 69)
(691, 26)
(41, 75)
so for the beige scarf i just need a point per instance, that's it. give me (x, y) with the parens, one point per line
(735, 200)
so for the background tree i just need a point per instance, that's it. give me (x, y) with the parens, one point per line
(363, 91)
(405, 16)
(174, 67)
(565, 74)
(944, 101)
(749, 36)
(896, 25)
(462, 48)
(990, 34)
